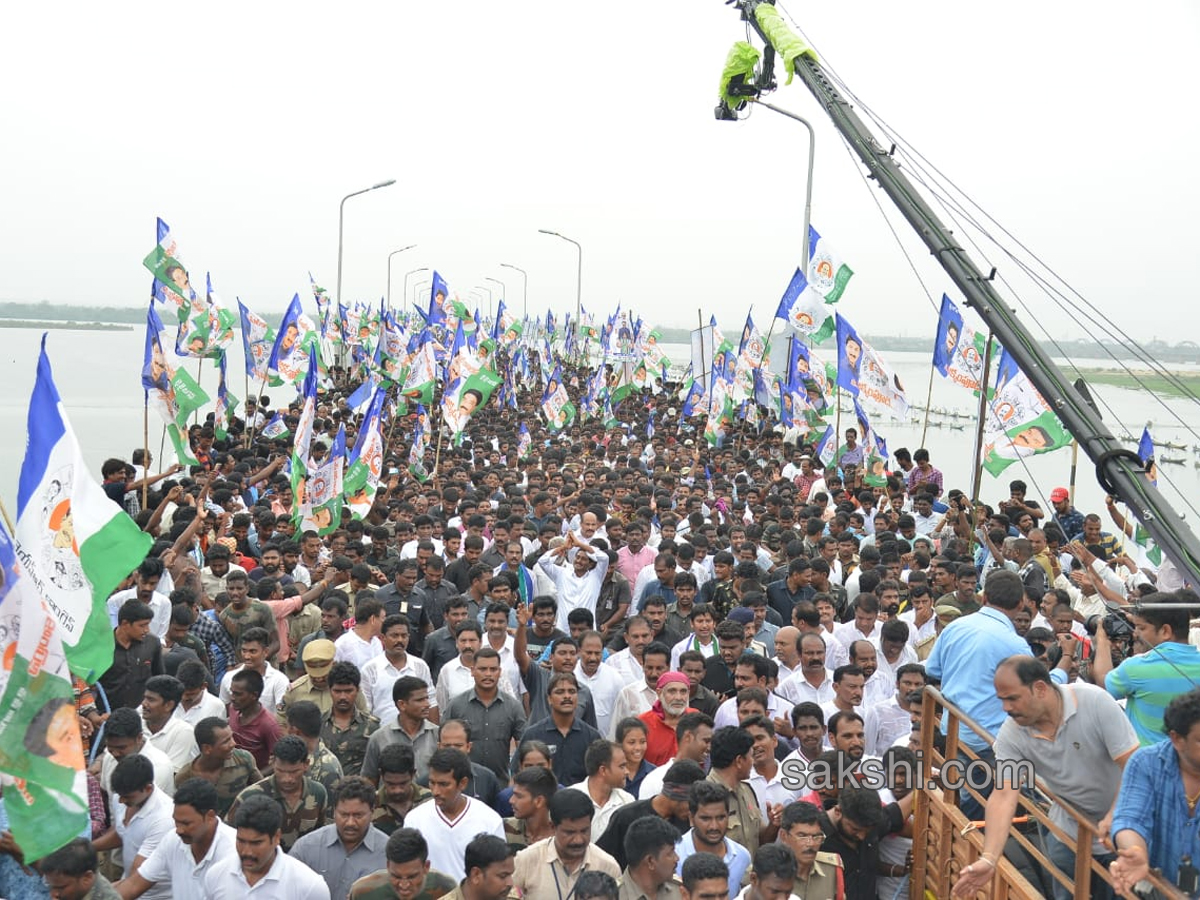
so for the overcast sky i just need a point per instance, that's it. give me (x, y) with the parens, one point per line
(243, 125)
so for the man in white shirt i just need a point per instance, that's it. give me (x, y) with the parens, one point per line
(452, 819)
(894, 648)
(197, 703)
(361, 643)
(638, 697)
(141, 815)
(579, 585)
(145, 589)
(124, 736)
(884, 722)
(171, 735)
(607, 773)
(254, 656)
(847, 693)
(865, 626)
(921, 621)
(198, 840)
(213, 575)
(381, 672)
(812, 682)
(260, 861)
(878, 685)
(603, 681)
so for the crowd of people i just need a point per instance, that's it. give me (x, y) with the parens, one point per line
(603, 668)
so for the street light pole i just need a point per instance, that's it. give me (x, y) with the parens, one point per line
(502, 290)
(524, 288)
(578, 273)
(389, 265)
(341, 223)
(412, 272)
(812, 152)
(417, 289)
(480, 287)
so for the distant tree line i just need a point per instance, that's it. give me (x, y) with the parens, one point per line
(1184, 351)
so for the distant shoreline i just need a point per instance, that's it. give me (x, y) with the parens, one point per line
(1184, 384)
(63, 326)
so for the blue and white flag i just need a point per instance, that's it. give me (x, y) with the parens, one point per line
(524, 442)
(863, 372)
(276, 428)
(958, 349)
(805, 310)
(75, 544)
(297, 334)
(827, 446)
(439, 300)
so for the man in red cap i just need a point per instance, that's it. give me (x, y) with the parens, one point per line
(674, 689)
(1069, 519)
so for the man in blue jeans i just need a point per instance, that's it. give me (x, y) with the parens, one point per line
(1076, 739)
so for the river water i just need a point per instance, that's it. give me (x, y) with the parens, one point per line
(98, 377)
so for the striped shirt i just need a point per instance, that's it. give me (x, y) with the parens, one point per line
(1150, 681)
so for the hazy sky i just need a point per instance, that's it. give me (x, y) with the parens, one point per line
(243, 125)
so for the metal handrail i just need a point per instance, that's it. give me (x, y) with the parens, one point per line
(1086, 830)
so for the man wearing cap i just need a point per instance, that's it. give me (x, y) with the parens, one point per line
(314, 684)
(674, 690)
(1069, 519)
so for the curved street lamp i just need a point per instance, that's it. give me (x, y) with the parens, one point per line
(524, 287)
(412, 272)
(578, 273)
(389, 274)
(341, 223)
(503, 289)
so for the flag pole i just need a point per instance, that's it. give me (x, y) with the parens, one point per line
(977, 460)
(1074, 462)
(7, 519)
(162, 441)
(437, 430)
(146, 447)
(199, 376)
(928, 401)
(261, 387)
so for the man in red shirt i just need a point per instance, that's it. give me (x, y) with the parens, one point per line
(254, 728)
(674, 690)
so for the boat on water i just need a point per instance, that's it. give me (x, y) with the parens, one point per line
(1172, 460)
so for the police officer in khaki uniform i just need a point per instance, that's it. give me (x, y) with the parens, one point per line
(945, 615)
(818, 874)
(731, 765)
(314, 684)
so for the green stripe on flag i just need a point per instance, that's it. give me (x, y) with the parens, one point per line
(828, 327)
(107, 558)
(839, 283)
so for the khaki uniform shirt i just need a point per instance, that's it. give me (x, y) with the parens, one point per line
(630, 890)
(824, 880)
(540, 875)
(302, 689)
(745, 817)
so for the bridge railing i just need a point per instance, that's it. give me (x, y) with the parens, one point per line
(945, 841)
